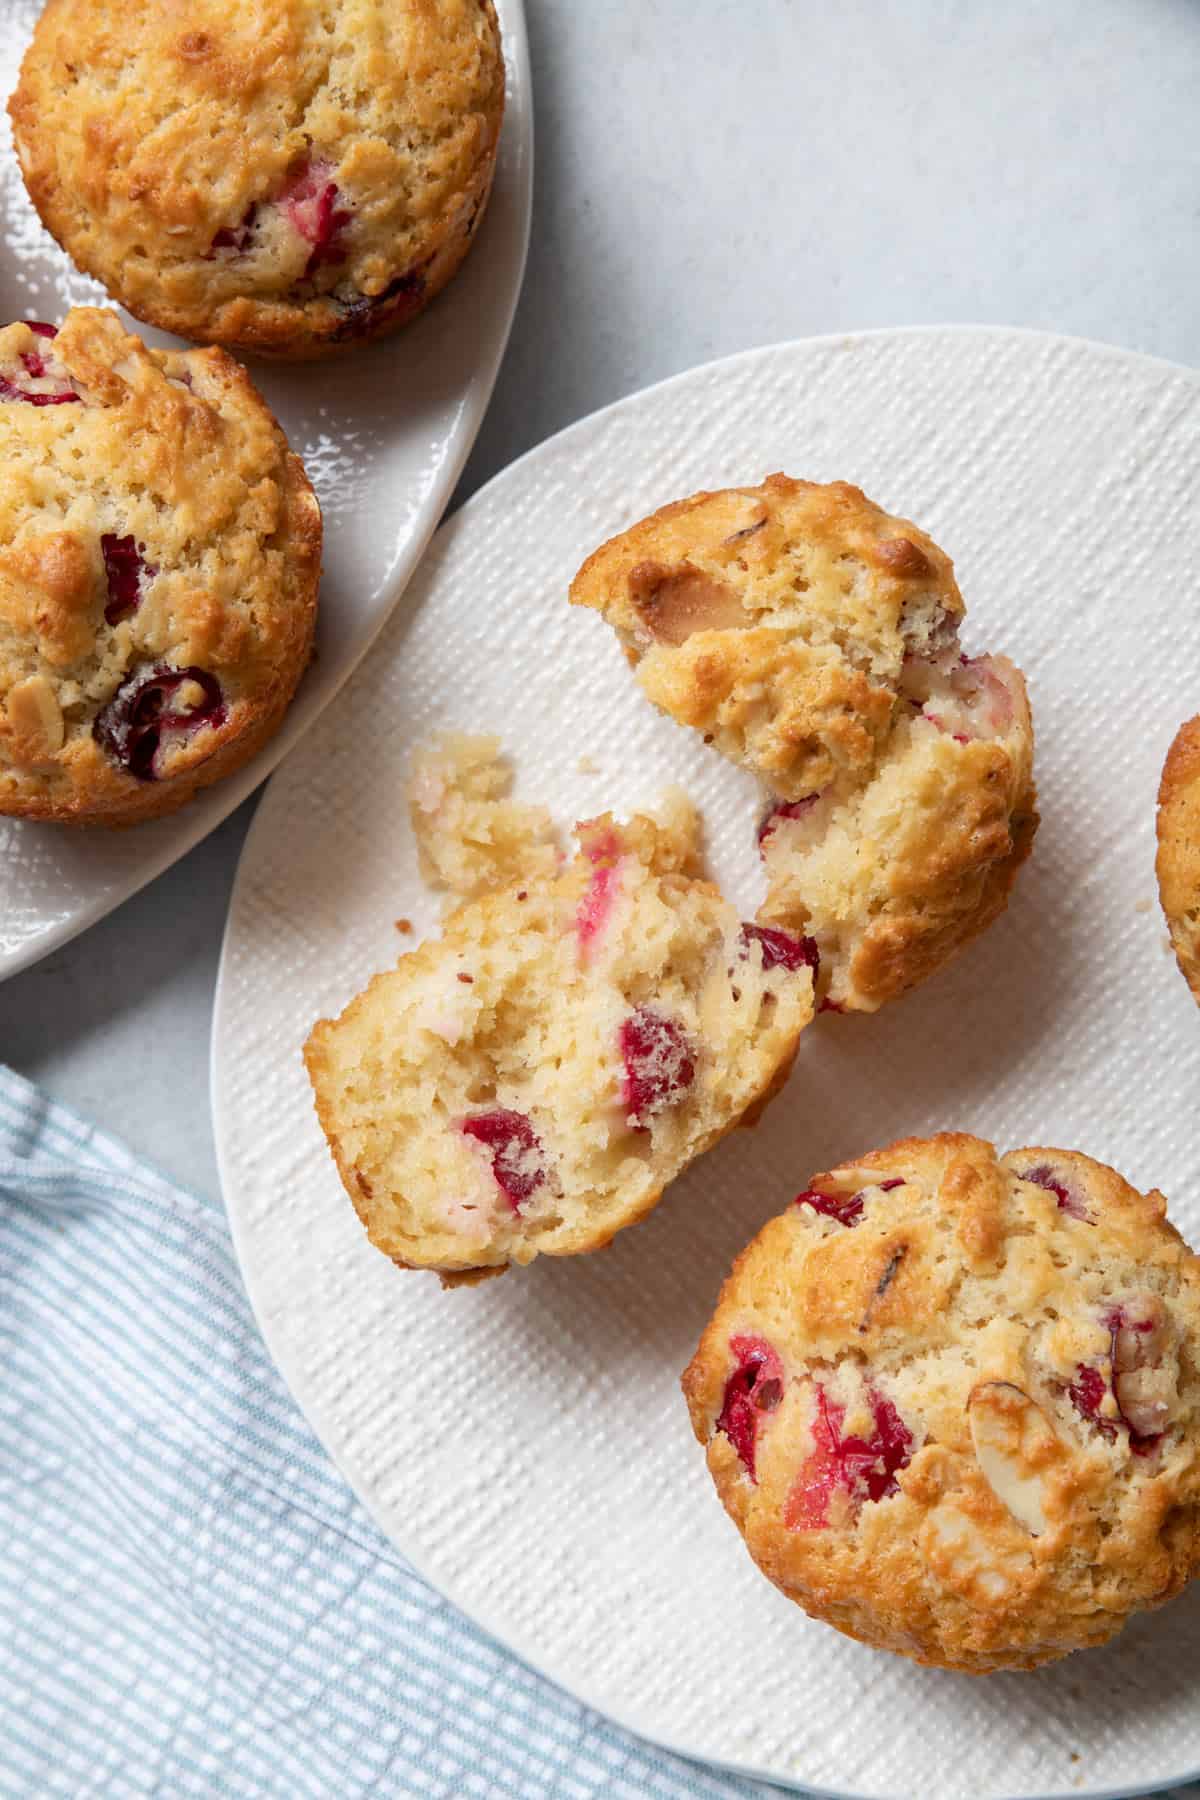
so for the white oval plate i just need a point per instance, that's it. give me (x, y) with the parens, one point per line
(384, 434)
(524, 1443)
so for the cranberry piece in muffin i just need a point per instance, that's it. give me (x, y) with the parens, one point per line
(518, 1089)
(35, 375)
(148, 707)
(159, 558)
(754, 1388)
(660, 1066)
(515, 1150)
(983, 1445)
(289, 181)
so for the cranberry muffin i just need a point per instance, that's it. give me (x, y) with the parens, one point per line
(529, 1083)
(952, 1402)
(160, 551)
(814, 640)
(286, 177)
(1178, 861)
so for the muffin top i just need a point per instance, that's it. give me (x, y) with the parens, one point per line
(953, 1401)
(893, 874)
(159, 558)
(813, 638)
(1178, 862)
(259, 174)
(776, 620)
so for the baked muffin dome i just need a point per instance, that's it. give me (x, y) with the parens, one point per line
(529, 1083)
(160, 551)
(287, 177)
(952, 1402)
(813, 639)
(1178, 861)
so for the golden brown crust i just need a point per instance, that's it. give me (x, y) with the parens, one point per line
(790, 570)
(942, 903)
(278, 179)
(976, 1432)
(813, 638)
(1178, 860)
(174, 452)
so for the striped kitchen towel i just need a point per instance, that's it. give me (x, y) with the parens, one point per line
(191, 1600)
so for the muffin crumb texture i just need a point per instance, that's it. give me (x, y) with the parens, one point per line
(529, 1083)
(472, 837)
(950, 1401)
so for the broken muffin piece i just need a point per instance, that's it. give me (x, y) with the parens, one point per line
(472, 837)
(813, 639)
(531, 1082)
(951, 1401)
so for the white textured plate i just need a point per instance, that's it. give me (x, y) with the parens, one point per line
(524, 1442)
(384, 434)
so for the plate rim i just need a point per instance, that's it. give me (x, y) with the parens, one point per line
(313, 1412)
(236, 788)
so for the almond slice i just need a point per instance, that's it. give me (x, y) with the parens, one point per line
(35, 720)
(1013, 1444)
(674, 603)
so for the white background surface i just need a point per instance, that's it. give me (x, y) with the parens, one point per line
(573, 1515)
(711, 176)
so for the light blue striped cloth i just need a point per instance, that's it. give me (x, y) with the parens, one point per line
(191, 1600)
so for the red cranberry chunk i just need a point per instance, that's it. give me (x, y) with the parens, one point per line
(820, 1477)
(781, 949)
(659, 1065)
(787, 809)
(33, 360)
(1069, 1201)
(873, 1463)
(604, 849)
(1087, 1393)
(143, 711)
(366, 312)
(863, 1469)
(59, 393)
(754, 1388)
(847, 1209)
(124, 570)
(518, 1163)
(310, 203)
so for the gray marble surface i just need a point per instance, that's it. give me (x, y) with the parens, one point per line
(710, 176)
